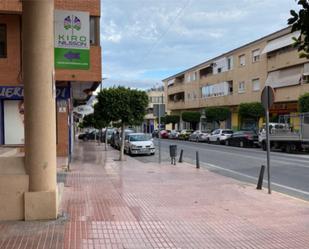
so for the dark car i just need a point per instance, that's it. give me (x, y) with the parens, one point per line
(243, 139)
(109, 132)
(89, 136)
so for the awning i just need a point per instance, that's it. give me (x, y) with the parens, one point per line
(284, 77)
(170, 82)
(280, 42)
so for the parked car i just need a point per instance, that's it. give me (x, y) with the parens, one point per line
(113, 138)
(173, 134)
(118, 137)
(109, 132)
(184, 134)
(139, 143)
(92, 135)
(199, 136)
(243, 139)
(165, 133)
(219, 136)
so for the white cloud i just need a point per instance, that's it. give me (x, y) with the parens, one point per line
(141, 38)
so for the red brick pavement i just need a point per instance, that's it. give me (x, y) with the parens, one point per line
(131, 205)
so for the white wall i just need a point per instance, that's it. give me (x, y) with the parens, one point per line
(13, 123)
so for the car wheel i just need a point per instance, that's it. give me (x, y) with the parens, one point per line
(85, 139)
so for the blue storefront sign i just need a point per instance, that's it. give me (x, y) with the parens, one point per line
(17, 92)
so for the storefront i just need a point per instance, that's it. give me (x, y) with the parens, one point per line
(12, 112)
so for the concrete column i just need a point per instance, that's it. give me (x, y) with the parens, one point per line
(40, 117)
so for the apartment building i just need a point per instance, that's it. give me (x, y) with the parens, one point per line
(155, 96)
(239, 76)
(74, 82)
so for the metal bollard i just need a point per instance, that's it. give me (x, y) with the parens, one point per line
(197, 161)
(180, 157)
(261, 177)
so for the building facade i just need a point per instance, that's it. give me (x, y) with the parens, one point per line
(155, 96)
(72, 86)
(239, 76)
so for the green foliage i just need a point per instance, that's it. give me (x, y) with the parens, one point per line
(191, 117)
(300, 21)
(217, 114)
(171, 119)
(251, 110)
(122, 105)
(303, 103)
(88, 121)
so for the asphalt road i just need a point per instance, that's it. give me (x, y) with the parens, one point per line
(289, 172)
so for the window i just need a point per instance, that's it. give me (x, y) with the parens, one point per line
(255, 55)
(219, 70)
(3, 42)
(242, 60)
(94, 30)
(229, 63)
(241, 87)
(255, 84)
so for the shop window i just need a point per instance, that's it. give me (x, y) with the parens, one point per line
(3, 42)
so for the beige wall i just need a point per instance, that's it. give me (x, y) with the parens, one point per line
(247, 73)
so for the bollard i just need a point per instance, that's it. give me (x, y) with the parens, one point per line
(261, 177)
(197, 161)
(180, 157)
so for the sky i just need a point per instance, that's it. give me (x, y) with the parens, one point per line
(145, 41)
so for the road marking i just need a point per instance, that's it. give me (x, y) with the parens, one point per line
(292, 163)
(255, 178)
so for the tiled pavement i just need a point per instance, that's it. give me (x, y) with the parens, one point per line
(131, 205)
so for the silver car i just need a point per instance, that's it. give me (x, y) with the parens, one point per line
(139, 143)
(219, 136)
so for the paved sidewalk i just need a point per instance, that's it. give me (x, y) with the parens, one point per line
(131, 205)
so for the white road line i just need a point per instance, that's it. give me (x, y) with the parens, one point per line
(258, 158)
(255, 178)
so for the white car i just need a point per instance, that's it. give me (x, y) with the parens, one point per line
(138, 144)
(219, 135)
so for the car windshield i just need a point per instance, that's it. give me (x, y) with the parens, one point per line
(141, 137)
(227, 132)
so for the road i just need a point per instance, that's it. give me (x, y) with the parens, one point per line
(289, 172)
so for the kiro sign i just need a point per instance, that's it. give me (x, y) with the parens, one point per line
(72, 39)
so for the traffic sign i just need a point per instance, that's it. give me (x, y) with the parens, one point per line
(267, 97)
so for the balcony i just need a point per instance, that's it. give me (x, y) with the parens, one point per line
(179, 105)
(285, 57)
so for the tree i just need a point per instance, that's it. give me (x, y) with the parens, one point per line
(253, 110)
(122, 105)
(171, 119)
(88, 121)
(300, 21)
(217, 114)
(303, 103)
(191, 117)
